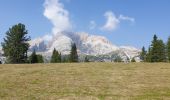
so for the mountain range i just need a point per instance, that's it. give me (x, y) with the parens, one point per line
(98, 48)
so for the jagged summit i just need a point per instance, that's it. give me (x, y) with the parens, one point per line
(87, 44)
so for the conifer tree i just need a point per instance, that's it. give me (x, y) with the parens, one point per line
(56, 57)
(73, 53)
(148, 55)
(168, 49)
(143, 54)
(157, 50)
(40, 59)
(33, 58)
(86, 59)
(59, 57)
(161, 51)
(133, 60)
(154, 49)
(15, 45)
(118, 59)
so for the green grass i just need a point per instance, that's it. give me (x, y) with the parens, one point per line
(85, 81)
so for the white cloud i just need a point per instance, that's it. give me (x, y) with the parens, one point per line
(122, 17)
(112, 21)
(92, 25)
(47, 37)
(55, 12)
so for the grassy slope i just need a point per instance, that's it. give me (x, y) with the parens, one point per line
(85, 81)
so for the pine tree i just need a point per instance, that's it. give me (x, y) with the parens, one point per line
(53, 57)
(59, 58)
(157, 51)
(143, 54)
(161, 51)
(133, 60)
(118, 59)
(154, 50)
(73, 53)
(148, 55)
(56, 57)
(15, 45)
(40, 59)
(168, 49)
(33, 58)
(86, 59)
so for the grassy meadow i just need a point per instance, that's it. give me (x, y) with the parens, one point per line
(85, 81)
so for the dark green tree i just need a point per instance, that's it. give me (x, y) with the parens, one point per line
(118, 59)
(86, 59)
(143, 54)
(157, 50)
(56, 57)
(73, 53)
(59, 57)
(148, 55)
(133, 60)
(15, 45)
(40, 59)
(161, 51)
(33, 58)
(154, 49)
(168, 49)
(65, 59)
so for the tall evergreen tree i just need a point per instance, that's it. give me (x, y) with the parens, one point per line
(162, 51)
(143, 54)
(86, 59)
(168, 49)
(118, 59)
(33, 58)
(157, 50)
(56, 57)
(148, 55)
(15, 45)
(40, 59)
(59, 58)
(133, 60)
(154, 49)
(73, 53)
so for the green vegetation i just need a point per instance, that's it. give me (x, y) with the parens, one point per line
(40, 58)
(156, 52)
(33, 58)
(168, 49)
(143, 54)
(133, 60)
(73, 53)
(56, 57)
(15, 45)
(86, 59)
(85, 81)
(118, 59)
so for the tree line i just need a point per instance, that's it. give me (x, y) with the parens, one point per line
(15, 47)
(158, 51)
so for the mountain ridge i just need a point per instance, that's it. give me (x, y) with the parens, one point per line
(86, 43)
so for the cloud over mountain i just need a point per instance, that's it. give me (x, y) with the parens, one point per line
(55, 12)
(112, 21)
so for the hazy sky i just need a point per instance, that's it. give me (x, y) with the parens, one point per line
(123, 22)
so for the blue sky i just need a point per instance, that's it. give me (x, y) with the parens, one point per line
(123, 22)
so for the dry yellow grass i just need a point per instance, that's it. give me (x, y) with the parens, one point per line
(85, 81)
